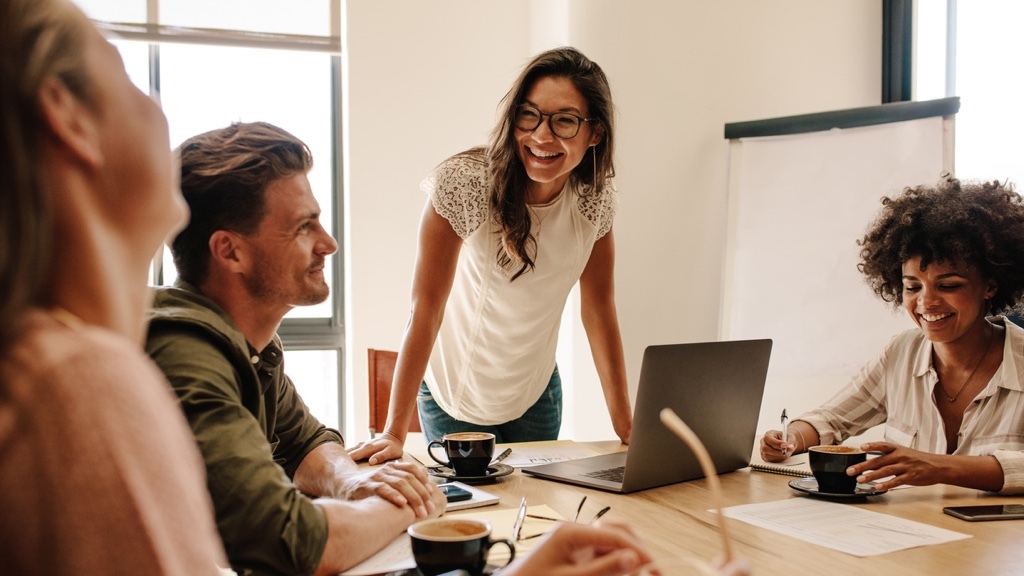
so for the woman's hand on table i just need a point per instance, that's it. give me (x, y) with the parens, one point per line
(905, 465)
(381, 449)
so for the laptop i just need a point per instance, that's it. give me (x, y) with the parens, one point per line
(715, 387)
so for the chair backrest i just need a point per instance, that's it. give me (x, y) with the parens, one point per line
(382, 371)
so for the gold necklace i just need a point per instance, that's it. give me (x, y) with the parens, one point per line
(991, 336)
(539, 219)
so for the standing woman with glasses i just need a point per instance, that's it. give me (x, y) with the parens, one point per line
(507, 232)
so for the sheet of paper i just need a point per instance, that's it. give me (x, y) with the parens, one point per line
(845, 528)
(535, 453)
(398, 554)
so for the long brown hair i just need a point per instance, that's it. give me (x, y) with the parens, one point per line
(508, 176)
(39, 39)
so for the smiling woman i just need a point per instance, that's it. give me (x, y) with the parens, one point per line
(951, 391)
(507, 231)
(100, 474)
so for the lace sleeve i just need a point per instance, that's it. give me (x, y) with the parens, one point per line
(458, 191)
(599, 208)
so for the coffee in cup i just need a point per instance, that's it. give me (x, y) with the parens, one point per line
(469, 453)
(829, 464)
(445, 544)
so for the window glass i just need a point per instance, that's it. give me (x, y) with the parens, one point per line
(315, 375)
(114, 10)
(989, 81)
(136, 61)
(304, 17)
(930, 53)
(308, 17)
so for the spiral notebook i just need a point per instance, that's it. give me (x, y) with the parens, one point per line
(795, 466)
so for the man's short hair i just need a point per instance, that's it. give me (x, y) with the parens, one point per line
(224, 177)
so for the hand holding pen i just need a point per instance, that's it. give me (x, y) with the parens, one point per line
(796, 435)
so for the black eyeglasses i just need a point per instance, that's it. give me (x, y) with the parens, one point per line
(562, 124)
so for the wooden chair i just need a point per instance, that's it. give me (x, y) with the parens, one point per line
(382, 371)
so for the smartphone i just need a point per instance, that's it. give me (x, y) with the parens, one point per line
(988, 512)
(453, 493)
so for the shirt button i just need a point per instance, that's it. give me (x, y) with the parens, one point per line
(255, 359)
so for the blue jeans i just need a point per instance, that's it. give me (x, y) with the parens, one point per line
(541, 421)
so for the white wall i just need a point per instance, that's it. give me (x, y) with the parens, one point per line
(424, 80)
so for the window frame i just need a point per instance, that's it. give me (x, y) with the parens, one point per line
(299, 334)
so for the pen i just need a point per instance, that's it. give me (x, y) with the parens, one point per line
(785, 425)
(600, 513)
(501, 456)
(539, 517)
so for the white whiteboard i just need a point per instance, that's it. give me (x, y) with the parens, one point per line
(797, 205)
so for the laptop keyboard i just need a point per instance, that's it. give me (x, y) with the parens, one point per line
(610, 474)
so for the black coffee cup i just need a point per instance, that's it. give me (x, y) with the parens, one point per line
(445, 544)
(469, 453)
(829, 464)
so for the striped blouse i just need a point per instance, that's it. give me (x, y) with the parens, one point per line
(896, 389)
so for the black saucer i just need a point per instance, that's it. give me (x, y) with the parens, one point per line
(488, 570)
(809, 486)
(494, 471)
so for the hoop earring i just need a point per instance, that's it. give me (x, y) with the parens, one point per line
(594, 150)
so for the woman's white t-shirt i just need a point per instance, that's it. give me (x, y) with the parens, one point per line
(495, 350)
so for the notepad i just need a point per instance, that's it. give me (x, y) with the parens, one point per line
(794, 466)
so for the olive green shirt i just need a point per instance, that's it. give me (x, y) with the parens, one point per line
(252, 429)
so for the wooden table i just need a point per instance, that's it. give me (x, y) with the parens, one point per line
(674, 520)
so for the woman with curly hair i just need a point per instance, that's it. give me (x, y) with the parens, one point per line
(951, 391)
(507, 232)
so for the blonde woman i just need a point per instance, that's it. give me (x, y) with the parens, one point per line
(100, 474)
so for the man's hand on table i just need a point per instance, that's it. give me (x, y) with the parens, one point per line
(397, 482)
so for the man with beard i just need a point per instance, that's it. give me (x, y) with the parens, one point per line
(288, 498)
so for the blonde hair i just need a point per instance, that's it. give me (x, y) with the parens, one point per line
(39, 39)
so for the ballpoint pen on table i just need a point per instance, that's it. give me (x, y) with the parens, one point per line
(501, 456)
(785, 435)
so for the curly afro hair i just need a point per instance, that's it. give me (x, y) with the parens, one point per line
(978, 224)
